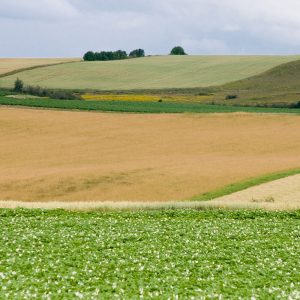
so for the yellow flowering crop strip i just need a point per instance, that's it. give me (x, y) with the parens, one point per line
(146, 98)
(123, 97)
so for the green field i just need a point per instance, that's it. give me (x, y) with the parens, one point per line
(280, 78)
(156, 72)
(139, 107)
(279, 85)
(154, 255)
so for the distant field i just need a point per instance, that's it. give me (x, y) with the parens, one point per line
(183, 254)
(150, 72)
(8, 65)
(55, 155)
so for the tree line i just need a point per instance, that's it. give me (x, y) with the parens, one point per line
(112, 55)
(120, 54)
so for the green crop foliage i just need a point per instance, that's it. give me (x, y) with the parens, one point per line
(138, 107)
(168, 254)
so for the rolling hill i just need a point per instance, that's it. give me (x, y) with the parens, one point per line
(282, 77)
(279, 85)
(157, 72)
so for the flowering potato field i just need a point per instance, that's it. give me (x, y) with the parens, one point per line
(149, 254)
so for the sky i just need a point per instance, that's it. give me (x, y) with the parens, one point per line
(69, 28)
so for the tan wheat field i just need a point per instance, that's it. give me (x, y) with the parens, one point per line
(80, 156)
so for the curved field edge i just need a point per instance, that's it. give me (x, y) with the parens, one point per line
(138, 107)
(243, 185)
(11, 66)
(202, 202)
(14, 72)
(151, 72)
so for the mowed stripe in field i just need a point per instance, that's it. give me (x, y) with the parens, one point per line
(155, 72)
(81, 156)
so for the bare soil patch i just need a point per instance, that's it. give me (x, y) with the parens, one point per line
(80, 156)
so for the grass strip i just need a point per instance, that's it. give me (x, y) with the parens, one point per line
(138, 107)
(240, 186)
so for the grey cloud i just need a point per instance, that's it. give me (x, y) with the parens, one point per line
(115, 5)
(70, 27)
(37, 9)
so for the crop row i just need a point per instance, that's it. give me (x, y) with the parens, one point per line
(138, 107)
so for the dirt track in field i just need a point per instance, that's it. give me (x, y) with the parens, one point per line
(80, 156)
(12, 64)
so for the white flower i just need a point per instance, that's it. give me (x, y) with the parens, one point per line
(79, 295)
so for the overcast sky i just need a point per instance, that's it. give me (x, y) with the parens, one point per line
(68, 28)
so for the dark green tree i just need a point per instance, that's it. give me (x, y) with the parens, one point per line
(19, 86)
(178, 50)
(137, 53)
(89, 56)
(105, 55)
(120, 54)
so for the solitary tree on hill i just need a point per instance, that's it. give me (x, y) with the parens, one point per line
(178, 50)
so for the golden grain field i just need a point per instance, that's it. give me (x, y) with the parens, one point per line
(12, 64)
(80, 156)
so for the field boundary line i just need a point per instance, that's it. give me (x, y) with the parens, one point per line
(156, 205)
(33, 68)
(243, 185)
(137, 206)
(140, 107)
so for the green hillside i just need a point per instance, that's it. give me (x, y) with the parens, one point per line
(155, 72)
(279, 85)
(283, 77)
